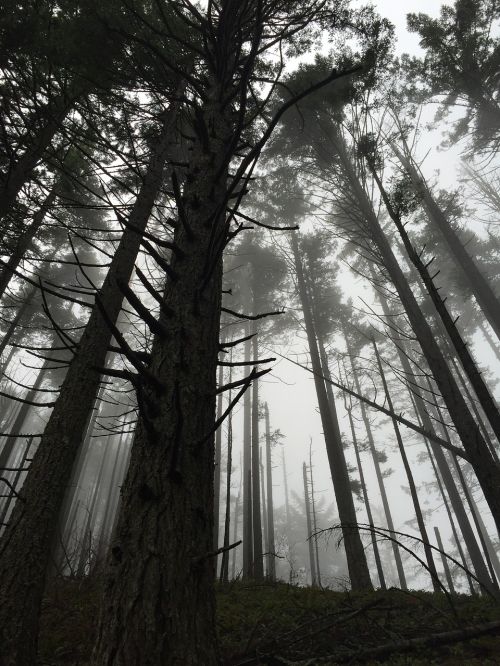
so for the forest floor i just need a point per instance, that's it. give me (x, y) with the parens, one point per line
(279, 625)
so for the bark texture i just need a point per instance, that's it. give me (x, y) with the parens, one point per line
(26, 544)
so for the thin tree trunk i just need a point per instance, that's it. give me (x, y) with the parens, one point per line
(489, 339)
(217, 465)
(258, 560)
(409, 475)
(313, 516)
(235, 529)
(312, 560)
(264, 513)
(247, 472)
(224, 567)
(380, 478)
(444, 560)
(287, 497)
(271, 547)
(356, 558)
(35, 522)
(21, 468)
(463, 521)
(378, 561)
(10, 332)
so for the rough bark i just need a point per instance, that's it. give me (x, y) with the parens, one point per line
(26, 544)
(158, 601)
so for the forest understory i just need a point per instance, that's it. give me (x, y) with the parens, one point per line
(278, 624)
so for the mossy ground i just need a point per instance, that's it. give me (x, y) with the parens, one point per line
(282, 624)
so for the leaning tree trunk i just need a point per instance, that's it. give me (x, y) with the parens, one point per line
(158, 604)
(356, 558)
(24, 241)
(380, 477)
(456, 501)
(409, 475)
(449, 324)
(476, 449)
(20, 172)
(26, 545)
(376, 552)
(477, 282)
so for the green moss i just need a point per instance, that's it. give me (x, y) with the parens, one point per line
(297, 625)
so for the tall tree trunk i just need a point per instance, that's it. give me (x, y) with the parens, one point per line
(461, 348)
(159, 601)
(476, 449)
(235, 529)
(224, 567)
(217, 465)
(313, 517)
(312, 559)
(409, 475)
(24, 241)
(379, 475)
(15, 482)
(444, 560)
(378, 561)
(11, 330)
(258, 560)
(10, 443)
(34, 523)
(264, 513)
(471, 272)
(247, 472)
(271, 547)
(356, 558)
(287, 497)
(444, 469)
(19, 173)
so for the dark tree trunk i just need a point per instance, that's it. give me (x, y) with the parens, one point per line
(380, 478)
(224, 567)
(24, 241)
(9, 334)
(461, 348)
(217, 465)
(20, 172)
(444, 560)
(258, 561)
(477, 282)
(444, 469)
(356, 558)
(411, 483)
(271, 562)
(378, 561)
(159, 603)
(26, 546)
(247, 472)
(476, 449)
